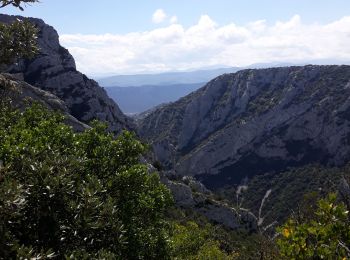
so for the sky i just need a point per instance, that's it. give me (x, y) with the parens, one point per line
(146, 36)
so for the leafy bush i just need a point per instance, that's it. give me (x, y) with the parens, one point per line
(190, 241)
(79, 195)
(18, 39)
(325, 236)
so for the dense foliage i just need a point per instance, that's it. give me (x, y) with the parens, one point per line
(194, 237)
(324, 236)
(18, 39)
(82, 195)
(190, 241)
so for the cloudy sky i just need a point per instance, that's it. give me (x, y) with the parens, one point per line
(142, 36)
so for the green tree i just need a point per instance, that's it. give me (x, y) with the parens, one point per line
(79, 195)
(190, 241)
(18, 39)
(325, 235)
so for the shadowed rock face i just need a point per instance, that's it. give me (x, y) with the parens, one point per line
(255, 121)
(21, 94)
(54, 70)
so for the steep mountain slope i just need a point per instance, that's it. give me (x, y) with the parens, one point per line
(54, 70)
(291, 191)
(22, 94)
(255, 121)
(134, 100)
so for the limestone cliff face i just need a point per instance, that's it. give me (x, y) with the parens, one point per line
(54, 70)
(255, 121)
(21, 93)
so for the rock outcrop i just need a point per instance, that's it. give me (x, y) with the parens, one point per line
(54, 70)
(191, 194)
(255, 121)
(21, 93)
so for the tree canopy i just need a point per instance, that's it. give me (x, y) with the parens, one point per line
(80, 195)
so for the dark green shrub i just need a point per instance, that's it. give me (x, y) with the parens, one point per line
(83, 195)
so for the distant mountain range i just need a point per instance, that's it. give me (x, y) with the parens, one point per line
(134, 100)
(138, 93)
(177, 77)
(196, 76)
(164, 79)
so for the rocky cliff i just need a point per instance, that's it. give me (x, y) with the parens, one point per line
(54, 70)
(255, 121)
(20, 94)
(191, 194)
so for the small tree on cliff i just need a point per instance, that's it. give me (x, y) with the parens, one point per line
(18, 39)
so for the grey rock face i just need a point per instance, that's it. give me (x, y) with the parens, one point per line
(191, 194)
(255, 121)
(21, 92)
(54, 70)
(182, 194)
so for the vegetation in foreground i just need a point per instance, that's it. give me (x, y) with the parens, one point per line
(76, 194)
(86, 195)
(324, 234)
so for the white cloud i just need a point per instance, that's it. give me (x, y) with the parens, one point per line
(159, 16)
(173, 19)
(207, 44)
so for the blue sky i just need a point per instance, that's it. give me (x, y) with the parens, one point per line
(122, 16)
(147, 36)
